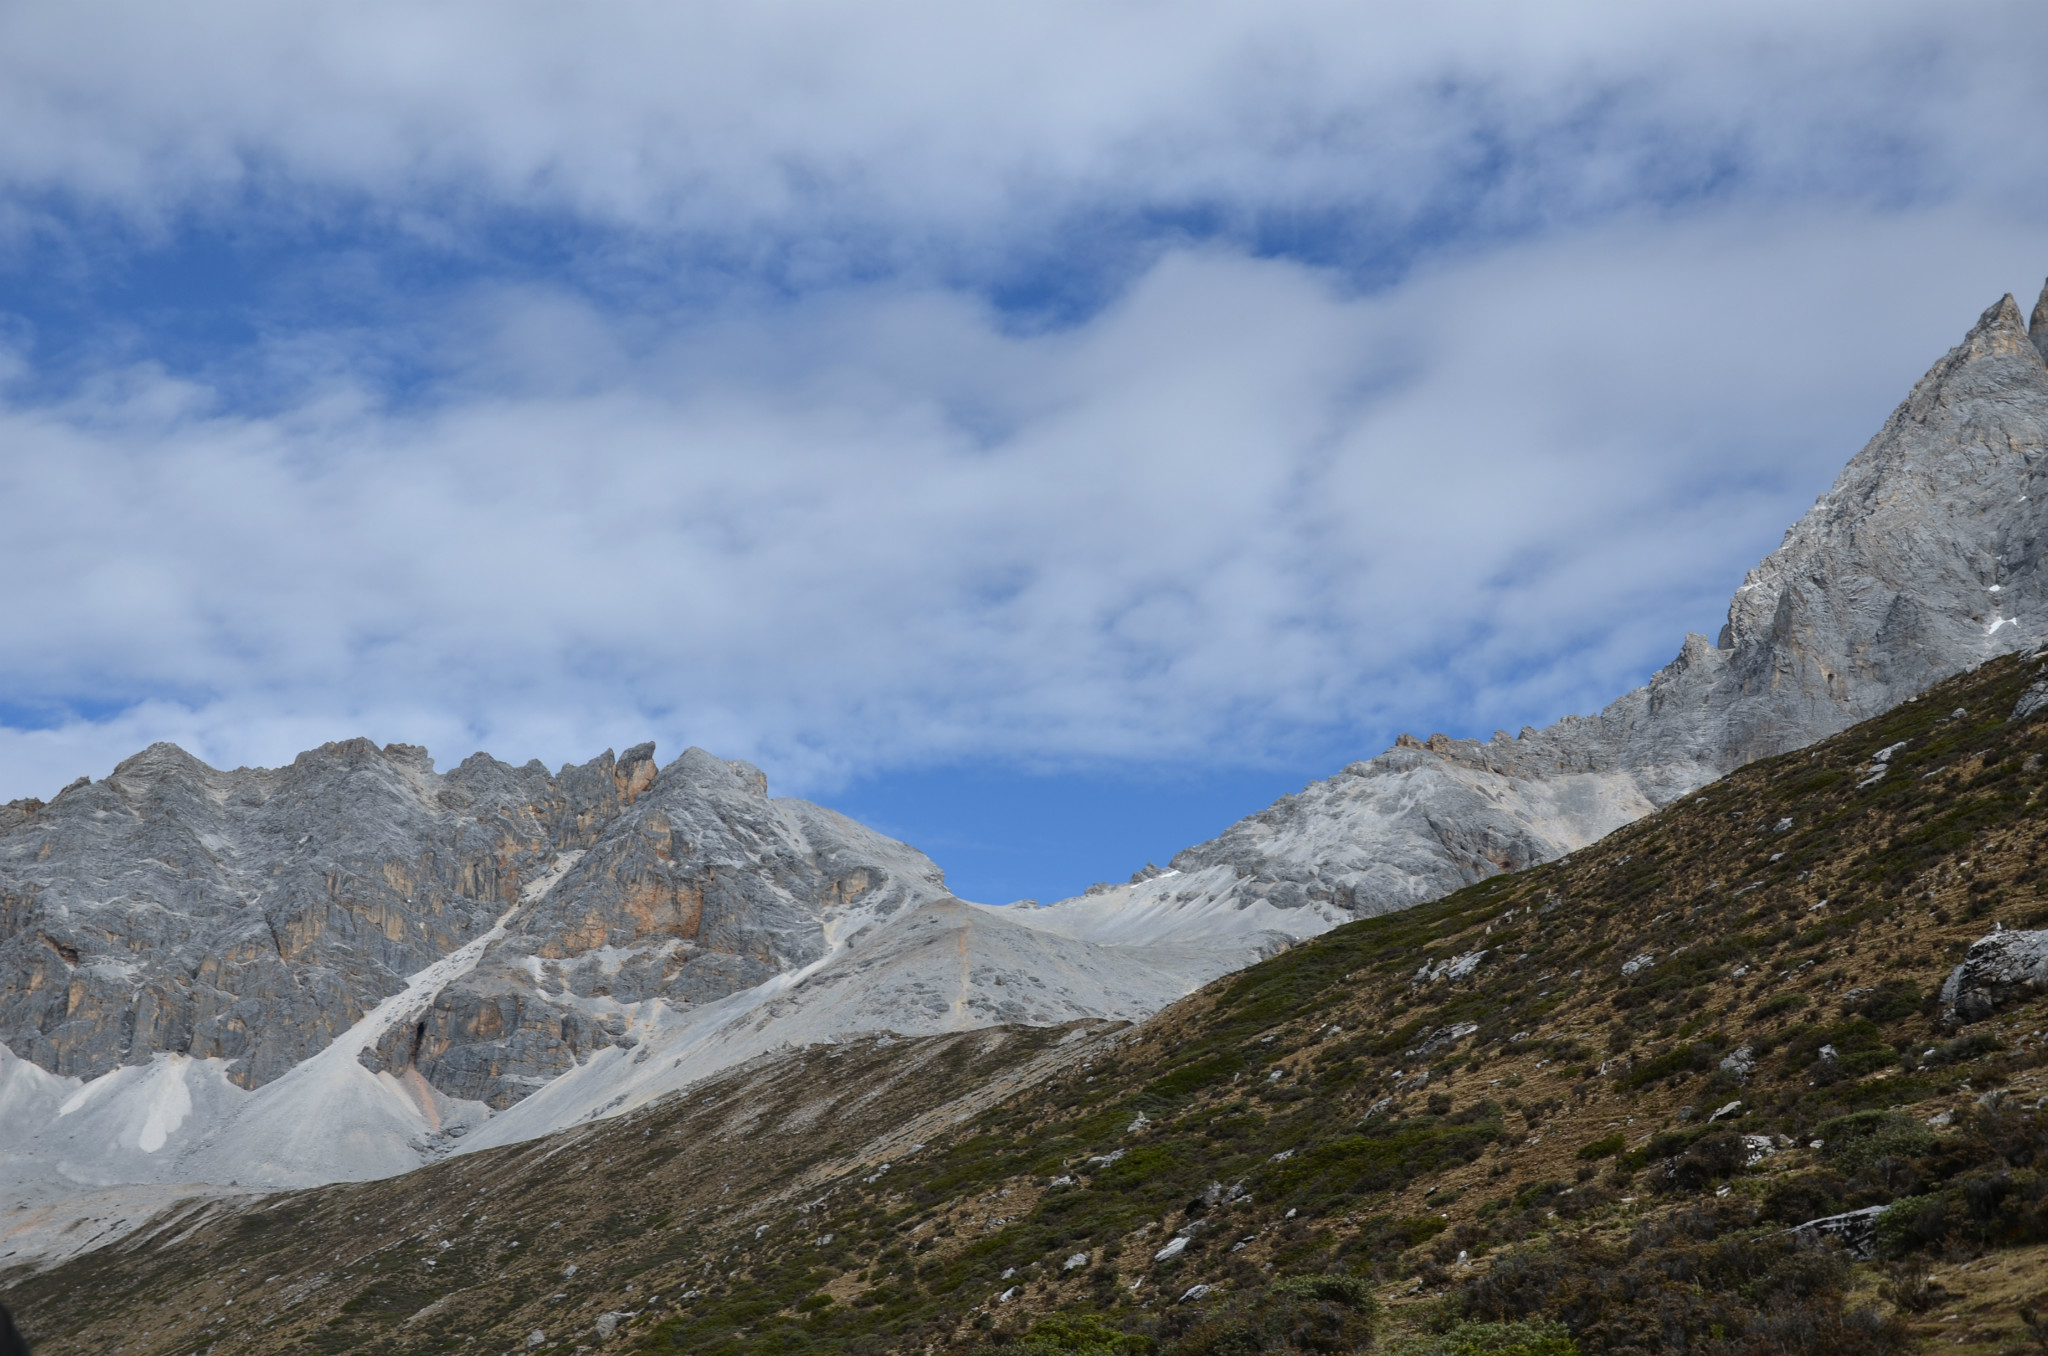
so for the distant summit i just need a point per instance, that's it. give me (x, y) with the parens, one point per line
(1924, 559)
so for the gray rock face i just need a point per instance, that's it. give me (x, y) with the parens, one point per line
(703, 887)
(1924, 559)
(2032, 702)
(253, 915)
(1998, 970)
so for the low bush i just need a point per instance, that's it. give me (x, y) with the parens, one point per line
(1326, 1315)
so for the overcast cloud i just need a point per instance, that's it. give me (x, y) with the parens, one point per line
(863, 387)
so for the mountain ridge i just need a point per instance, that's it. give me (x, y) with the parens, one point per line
(194, 961)
(1923, 558)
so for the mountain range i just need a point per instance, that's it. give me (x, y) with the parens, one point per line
(357, 964)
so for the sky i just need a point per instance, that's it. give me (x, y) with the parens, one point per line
(1047, 433)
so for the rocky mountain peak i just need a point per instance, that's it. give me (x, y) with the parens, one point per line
(1925, 558)
(710, 774)
(2000, 332)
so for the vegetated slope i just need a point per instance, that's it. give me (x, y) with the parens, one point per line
(526, 1236)
(1509, 1105)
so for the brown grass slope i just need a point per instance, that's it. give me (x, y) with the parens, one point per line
(1533, 1139)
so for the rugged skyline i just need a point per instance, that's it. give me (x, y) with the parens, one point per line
(354, 964)
(1123, 408)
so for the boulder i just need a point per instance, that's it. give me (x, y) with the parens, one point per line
(1998, 970)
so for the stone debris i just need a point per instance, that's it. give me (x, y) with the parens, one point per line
(1856, 1229)
(1455, 968)
(1440, 1038)
(1756, 1148)
(1635, 965)
(1076, 1260)
(1172, 1250)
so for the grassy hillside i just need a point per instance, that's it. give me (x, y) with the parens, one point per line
(1591, 1133)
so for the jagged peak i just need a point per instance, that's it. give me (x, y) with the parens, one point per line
(705, 770)
(2037, 324)
(1999, 333)
(162, 758)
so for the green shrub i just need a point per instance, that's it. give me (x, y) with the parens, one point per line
(1192, 1077)
(1911, 1222)
(1965, 1048)
(1892, 1001)
(1077, 1335)
(1605, 1147)
(1529, 1337)
(1784, 1002)
(1857, 1141)
(1685, 1059)
(1324, 1315)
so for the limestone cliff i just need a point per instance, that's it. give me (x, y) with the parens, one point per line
(252, 916)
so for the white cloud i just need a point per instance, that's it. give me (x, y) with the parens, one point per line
(1656, 274)
(872, 525)
(887, 129)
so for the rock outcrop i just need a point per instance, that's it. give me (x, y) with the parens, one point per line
(702, 888)
(252, 916)
(1924, 559)
(1999, 970)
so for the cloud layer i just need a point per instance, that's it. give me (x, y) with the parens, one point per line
(811, 138)
(1431, 371)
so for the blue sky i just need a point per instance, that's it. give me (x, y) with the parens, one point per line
(1047, 433)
